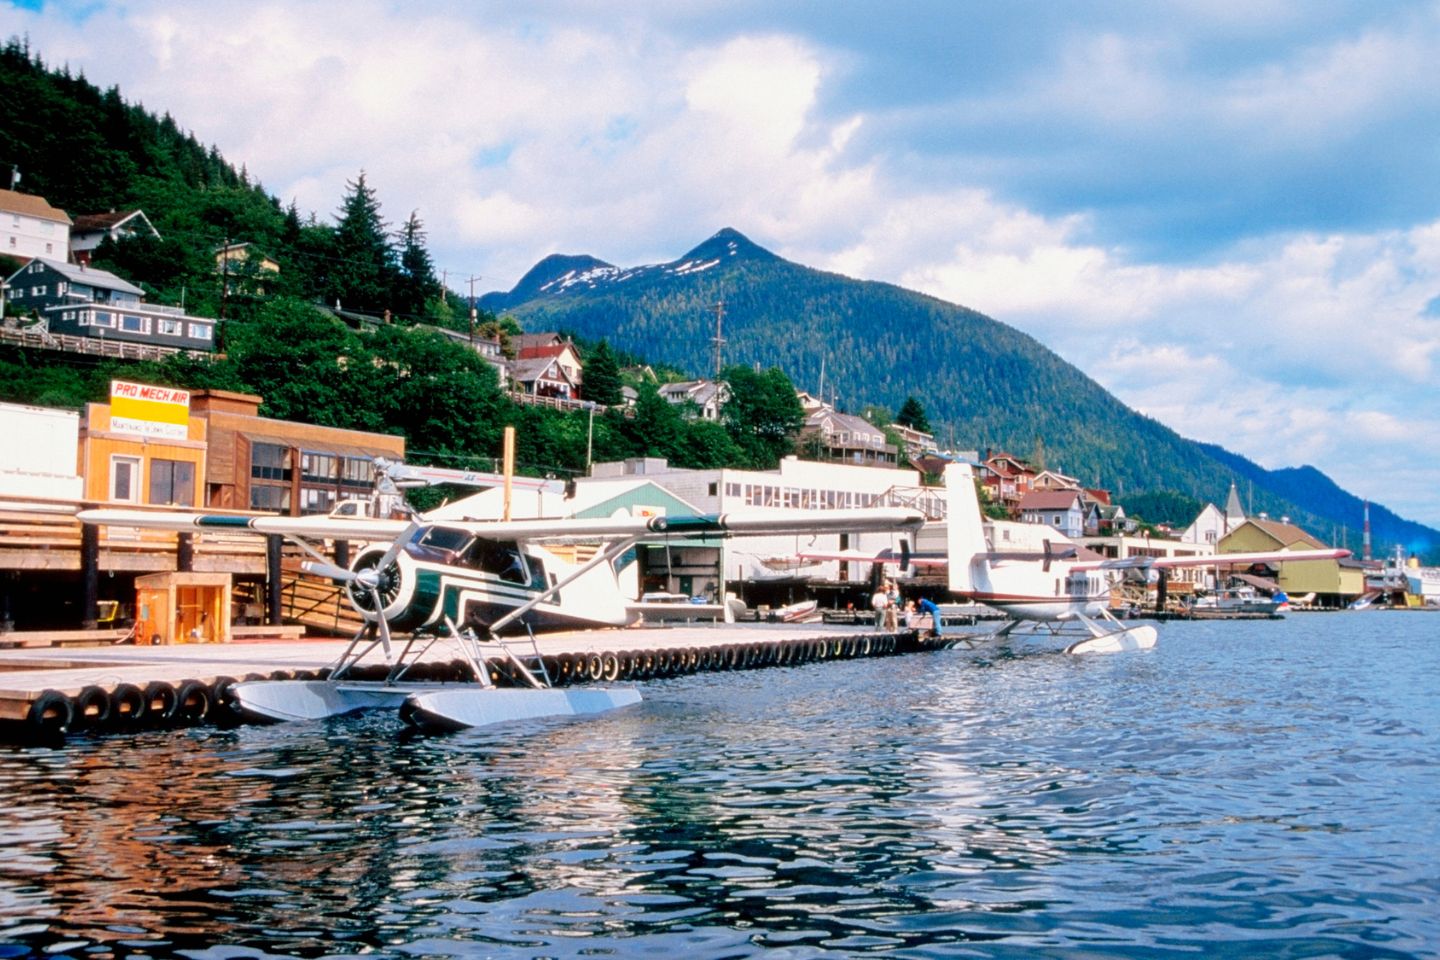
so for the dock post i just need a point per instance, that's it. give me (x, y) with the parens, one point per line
(89, 576)
(184, 552)
(273, 543)
(1162, 591)
(342, 553)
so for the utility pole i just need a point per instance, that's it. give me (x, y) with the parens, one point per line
(444, 275)
(473, 314)
(718, 340)
(224, 276)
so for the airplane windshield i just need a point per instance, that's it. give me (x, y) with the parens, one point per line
(499, 558)
(440, 543)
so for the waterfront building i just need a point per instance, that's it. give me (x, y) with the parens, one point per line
(1334, 582)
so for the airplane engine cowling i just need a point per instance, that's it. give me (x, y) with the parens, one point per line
(396, 587)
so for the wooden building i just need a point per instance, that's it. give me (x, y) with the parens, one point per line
(142, 449)
(258, 463)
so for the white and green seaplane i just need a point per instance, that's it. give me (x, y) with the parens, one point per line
(472, 582)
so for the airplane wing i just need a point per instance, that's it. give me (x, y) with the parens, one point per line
(893, 557)
(712, 526)
(1218, 559)
(319, 527)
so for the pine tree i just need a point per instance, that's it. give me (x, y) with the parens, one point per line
(602, 376)
(416, 284)
(912, 415)
(365, 263)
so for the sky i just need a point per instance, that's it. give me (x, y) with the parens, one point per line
(1226, 212)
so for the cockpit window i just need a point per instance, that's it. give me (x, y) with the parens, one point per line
(499, 558)
(438, 544)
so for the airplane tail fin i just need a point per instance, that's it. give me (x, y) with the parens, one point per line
(965, 533)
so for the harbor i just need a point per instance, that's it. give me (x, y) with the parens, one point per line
(46, 694)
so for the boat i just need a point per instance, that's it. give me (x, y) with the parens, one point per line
(1243, 599)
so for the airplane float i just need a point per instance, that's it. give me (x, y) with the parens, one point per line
(470, 581)
(1051, 590)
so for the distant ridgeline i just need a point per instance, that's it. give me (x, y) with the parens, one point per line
(993, 385)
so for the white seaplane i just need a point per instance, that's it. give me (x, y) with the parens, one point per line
(469, 582)
(1052, 589)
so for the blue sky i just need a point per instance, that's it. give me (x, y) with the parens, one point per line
(1228, 213)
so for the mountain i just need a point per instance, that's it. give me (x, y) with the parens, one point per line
(984, 385)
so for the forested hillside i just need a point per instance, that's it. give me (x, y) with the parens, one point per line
(983, 384)
(88, 151)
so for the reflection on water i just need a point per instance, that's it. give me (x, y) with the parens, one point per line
(1254, 789)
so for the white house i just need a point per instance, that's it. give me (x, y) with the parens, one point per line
(709, 396)
(90, 230)
(30, 227)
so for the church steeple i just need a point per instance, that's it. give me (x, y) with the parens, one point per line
(1234, 513)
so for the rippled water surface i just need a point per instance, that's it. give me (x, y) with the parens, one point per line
(1246, 789)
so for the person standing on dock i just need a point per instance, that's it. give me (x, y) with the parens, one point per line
(892, 607)
(928, 606)
(880, 601)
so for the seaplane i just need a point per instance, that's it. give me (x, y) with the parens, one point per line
(1051, 590)
(480, 585)
(1054, 589)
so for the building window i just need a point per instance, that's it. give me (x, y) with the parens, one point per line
(357, 472)
(171, 328)
(264, 496)
(172, 482)
(316, 500)
(102, 318)
(125, 478)
(133, 324)
(49, 248)
(200, 331)
(319, 467)
(269, 461)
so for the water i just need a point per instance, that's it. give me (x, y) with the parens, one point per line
(1247, 789)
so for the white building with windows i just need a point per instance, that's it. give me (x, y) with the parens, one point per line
(796, 485)
(30, 227)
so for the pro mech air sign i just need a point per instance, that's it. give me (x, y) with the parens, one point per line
(149, 411)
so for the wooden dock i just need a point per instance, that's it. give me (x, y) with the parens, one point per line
(119, 687)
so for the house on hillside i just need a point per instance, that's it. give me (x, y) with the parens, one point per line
(92, 229)
(917, 443)
(1053, 480)
(1066, 510)
(244, 268)
(844, 437)
(538, 346)
(1007, 480)
(545, 376)
(707, 396)
(30, 227)
(80, 301)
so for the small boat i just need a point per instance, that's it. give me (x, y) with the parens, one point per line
(1239, 599)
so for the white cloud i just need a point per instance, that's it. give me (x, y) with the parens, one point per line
(567, 131)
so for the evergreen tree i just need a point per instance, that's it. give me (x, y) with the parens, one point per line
(763, 415)
(416, 285)
(602, 376)
(912, 415)
(364, 267)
